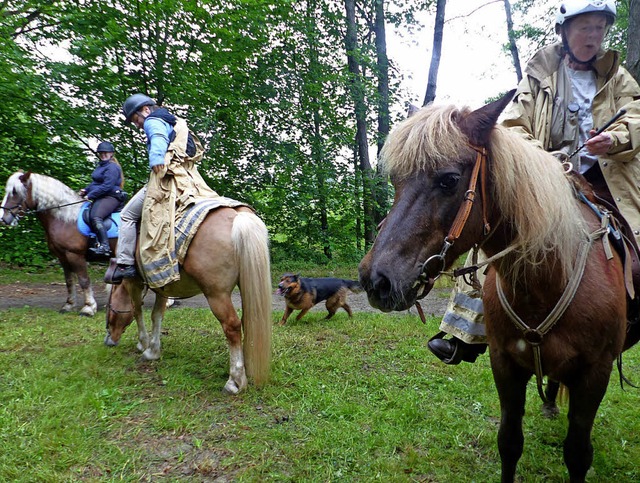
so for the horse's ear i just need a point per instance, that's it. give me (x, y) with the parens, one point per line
(25, 177)
(478, 125)
(412, 109)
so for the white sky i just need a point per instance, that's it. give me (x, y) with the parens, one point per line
(473, 64)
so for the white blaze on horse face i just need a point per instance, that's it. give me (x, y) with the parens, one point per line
(4, 212)
(4, 203)
(14, 195)
(521, 345)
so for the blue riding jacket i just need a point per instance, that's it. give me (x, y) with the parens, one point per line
(158, 127)
(107, 178)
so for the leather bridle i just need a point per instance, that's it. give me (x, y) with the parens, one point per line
(438, 261)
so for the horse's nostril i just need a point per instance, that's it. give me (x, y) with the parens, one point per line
(381, 284)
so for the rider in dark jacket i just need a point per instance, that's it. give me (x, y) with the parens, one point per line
(105, 193)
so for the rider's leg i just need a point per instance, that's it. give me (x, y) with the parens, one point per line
(463, 320)
(125, 250)
(101, 209)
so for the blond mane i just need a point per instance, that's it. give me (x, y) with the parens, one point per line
(529, 188)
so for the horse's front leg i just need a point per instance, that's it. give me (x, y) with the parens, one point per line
(585, 395)
(70, 283)
(550, 407)
(223, 309)
(511, 382)
(137, 291)
(153, 350)
(78, 265)
(143, 335)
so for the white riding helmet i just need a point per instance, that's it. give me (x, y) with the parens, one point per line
(572, 8)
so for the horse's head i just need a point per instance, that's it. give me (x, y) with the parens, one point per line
(120, 313)
(15, 198)
(430, 158)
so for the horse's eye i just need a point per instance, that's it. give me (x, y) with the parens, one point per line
(449, 181)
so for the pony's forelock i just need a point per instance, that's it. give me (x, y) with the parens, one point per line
(425, 141)
(15, 185)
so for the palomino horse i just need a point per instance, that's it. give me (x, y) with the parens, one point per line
(57, 207)
(546, 246)
(230, 248)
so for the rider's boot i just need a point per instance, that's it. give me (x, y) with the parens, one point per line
(103, 248)
(454, 350)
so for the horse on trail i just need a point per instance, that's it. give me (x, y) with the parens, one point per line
(554, 297)
(57, 208)
(230, 248)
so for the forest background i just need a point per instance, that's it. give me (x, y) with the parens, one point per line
(292, 99)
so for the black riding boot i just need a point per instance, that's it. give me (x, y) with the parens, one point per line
(103, 248)
(454, 350)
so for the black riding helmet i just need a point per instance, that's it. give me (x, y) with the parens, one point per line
(134, 103)
(105, 147)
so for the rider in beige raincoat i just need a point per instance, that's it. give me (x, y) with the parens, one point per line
(174, 185)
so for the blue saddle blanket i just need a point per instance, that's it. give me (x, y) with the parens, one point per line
(111, 224)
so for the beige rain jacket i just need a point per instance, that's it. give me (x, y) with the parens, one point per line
(532, 115)
(169, 194)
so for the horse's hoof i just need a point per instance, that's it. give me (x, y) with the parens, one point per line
(231, 388)
(66, 308)
(148, 355)
(87, 312)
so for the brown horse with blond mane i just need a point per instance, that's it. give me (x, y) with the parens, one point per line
(555, 295)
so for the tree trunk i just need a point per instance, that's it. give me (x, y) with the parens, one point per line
(633, 40)
(513, 47)
(357, 95)
(316, 139)
(435, 55)
(382, 191)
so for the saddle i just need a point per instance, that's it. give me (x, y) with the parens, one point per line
(622, 240)
(111, 224)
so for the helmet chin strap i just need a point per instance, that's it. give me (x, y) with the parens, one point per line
(572, 57)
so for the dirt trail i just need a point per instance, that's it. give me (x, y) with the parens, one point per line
(53, 296)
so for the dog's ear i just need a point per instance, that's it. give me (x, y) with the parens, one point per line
(296, 277)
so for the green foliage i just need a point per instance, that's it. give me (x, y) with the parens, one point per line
(24, 246)
(265, 86)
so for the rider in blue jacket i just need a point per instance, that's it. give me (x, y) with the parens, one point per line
(105, 193)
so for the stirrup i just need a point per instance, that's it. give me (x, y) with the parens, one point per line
(455, 359)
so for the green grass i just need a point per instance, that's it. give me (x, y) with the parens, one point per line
(357, 399)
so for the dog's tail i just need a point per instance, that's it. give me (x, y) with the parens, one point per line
(353, 285)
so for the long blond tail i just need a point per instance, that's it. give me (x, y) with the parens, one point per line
(251, 241)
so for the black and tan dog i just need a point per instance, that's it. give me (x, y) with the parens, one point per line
(303, 293)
